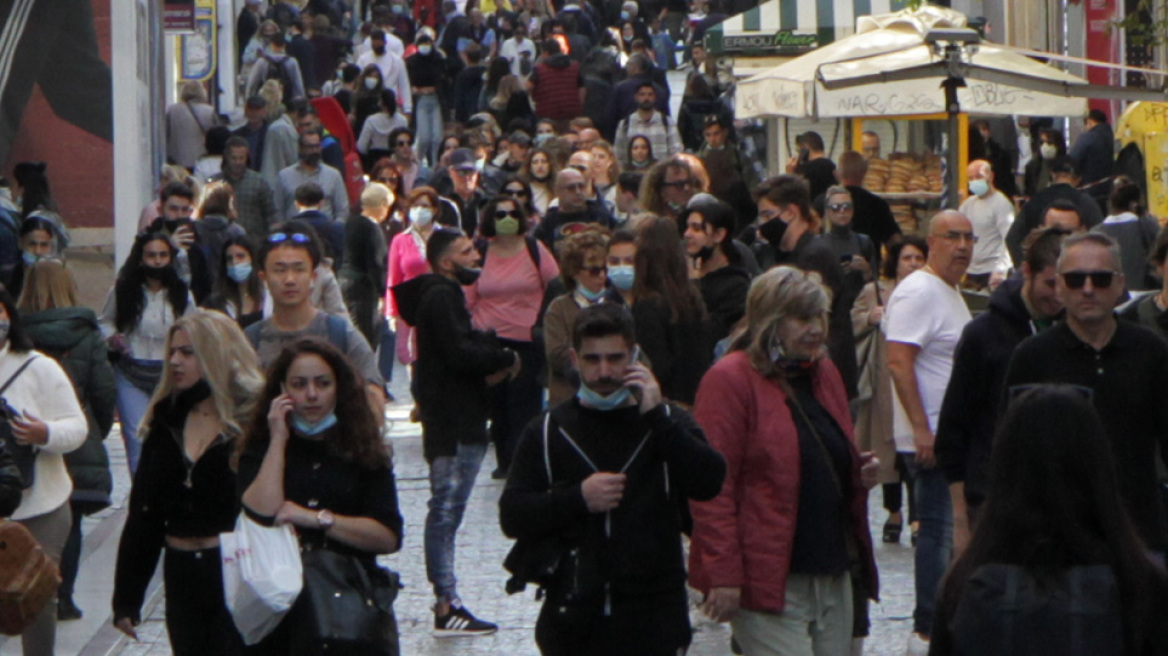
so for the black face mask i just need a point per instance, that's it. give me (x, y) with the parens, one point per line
(466, 276)
(773, 231)
(156, 273)
(311, 159)
(379, 51)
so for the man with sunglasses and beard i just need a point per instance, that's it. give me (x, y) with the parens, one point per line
(1124, 364)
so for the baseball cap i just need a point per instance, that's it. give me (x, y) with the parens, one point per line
(462, 159)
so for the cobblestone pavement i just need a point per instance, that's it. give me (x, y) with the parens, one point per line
(481, 549)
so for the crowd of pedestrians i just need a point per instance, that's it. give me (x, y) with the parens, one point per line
(692, 373)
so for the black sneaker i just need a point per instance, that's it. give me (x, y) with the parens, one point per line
(460, 622)
(67, 610)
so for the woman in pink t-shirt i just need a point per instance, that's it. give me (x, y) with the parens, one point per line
(507, 299)
(407, 260)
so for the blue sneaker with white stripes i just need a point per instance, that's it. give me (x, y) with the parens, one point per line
(460, 622)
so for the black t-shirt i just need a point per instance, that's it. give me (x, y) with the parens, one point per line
(820, 174)
(820, 545)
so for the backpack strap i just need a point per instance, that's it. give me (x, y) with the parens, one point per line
(338, 332)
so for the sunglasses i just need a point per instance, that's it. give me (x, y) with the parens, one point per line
(515, 192)
(596, 270)
(1099, 279)
(502, 214)
(298, 237)
(840, 207)
(679, 184)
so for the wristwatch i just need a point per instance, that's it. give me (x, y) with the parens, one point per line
(326, 519)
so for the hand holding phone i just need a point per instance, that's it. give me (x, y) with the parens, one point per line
(641, 382)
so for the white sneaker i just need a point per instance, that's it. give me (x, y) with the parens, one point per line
(917, 645)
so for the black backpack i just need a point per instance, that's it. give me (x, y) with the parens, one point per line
(278, 70)
(1005, 611)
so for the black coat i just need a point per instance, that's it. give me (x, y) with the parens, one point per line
(71, 336)
(453, 362)
(970, 411)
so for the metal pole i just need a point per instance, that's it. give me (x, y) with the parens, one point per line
(953, 108)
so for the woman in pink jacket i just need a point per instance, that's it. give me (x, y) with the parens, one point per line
(407, 259)
(775, 551)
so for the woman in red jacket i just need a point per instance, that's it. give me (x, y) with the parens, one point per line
(775, 550)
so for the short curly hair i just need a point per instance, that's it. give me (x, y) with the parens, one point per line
(574, 249)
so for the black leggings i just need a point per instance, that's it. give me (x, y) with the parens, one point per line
(196, 615)
(893, 497)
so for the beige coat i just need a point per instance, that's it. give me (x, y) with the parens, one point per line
(874, 419)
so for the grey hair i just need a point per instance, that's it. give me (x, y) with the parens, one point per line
(1097, 238)
(836, 190)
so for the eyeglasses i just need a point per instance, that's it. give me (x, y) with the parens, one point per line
(841, 207)
(502, 214)
(1017, 391)
(1099, 279)
(515, 192)
(954, 235)
(679, 184)
(596, 270)
(298, 237)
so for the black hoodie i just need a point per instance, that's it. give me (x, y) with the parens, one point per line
(969, 414)
(454, 360)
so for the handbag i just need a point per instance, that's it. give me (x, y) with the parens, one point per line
(349, 604)
(262, 576)
(23, 455)
(28, 578)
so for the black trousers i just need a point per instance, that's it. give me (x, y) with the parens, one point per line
(53, 44)
(514, 403)
(196, 615)
(655, 625)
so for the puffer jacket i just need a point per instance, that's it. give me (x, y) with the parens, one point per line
(743, 538)
(70, 335)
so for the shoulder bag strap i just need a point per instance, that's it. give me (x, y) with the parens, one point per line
(16, 375)
(196, 117)
(835, 478)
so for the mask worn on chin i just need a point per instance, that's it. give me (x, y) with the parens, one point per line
(311, 159)
(425, 50)
(239, 272)
(466, 276)
(371, 83)
(589, 295)
(773, 231)
(507, 227)
(421, 216)
(979, 187)
(600, 402)
(305, 428)
(787, 364)
(30, 258)
(622, 276)
(541, 139)
(154, 273)
(1049, 151)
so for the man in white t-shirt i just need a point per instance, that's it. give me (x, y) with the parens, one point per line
(922, 324)
(393, 69)
(991, 214)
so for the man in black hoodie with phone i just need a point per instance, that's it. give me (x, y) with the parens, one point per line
(456, 364)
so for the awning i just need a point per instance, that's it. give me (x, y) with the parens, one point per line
(792, 27)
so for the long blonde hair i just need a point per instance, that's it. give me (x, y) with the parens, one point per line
(49, 285)
(229, 365)
(775, 295)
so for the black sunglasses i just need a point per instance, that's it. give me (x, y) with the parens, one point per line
(514, 192)
(679, 184)
(502, 214)
(1099, 279)
(298, 237)
(596, 270)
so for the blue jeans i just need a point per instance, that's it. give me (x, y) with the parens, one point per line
(451, 481)
(132, 403)
(386, 351)
(428, 130)
(934, 542)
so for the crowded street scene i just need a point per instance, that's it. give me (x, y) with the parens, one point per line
(583, 327)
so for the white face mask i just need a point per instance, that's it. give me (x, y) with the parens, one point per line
(421, 216)
(1049, 151)
(371, 83)
(425, 50)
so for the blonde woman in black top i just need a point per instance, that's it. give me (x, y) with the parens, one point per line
(184, 490)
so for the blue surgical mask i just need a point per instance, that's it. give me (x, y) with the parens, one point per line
(588, 294)
(622, 276)
(30, 258)
(600, 402)
(624, 15)
(305, 428)
(239, 272)
(979, 187)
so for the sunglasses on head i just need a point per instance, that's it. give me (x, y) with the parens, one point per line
(502, 214)
(1099, 279)
(298, 237)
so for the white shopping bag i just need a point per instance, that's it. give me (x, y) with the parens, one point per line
(262, 576)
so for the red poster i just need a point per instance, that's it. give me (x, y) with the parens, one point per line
(178, 15)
